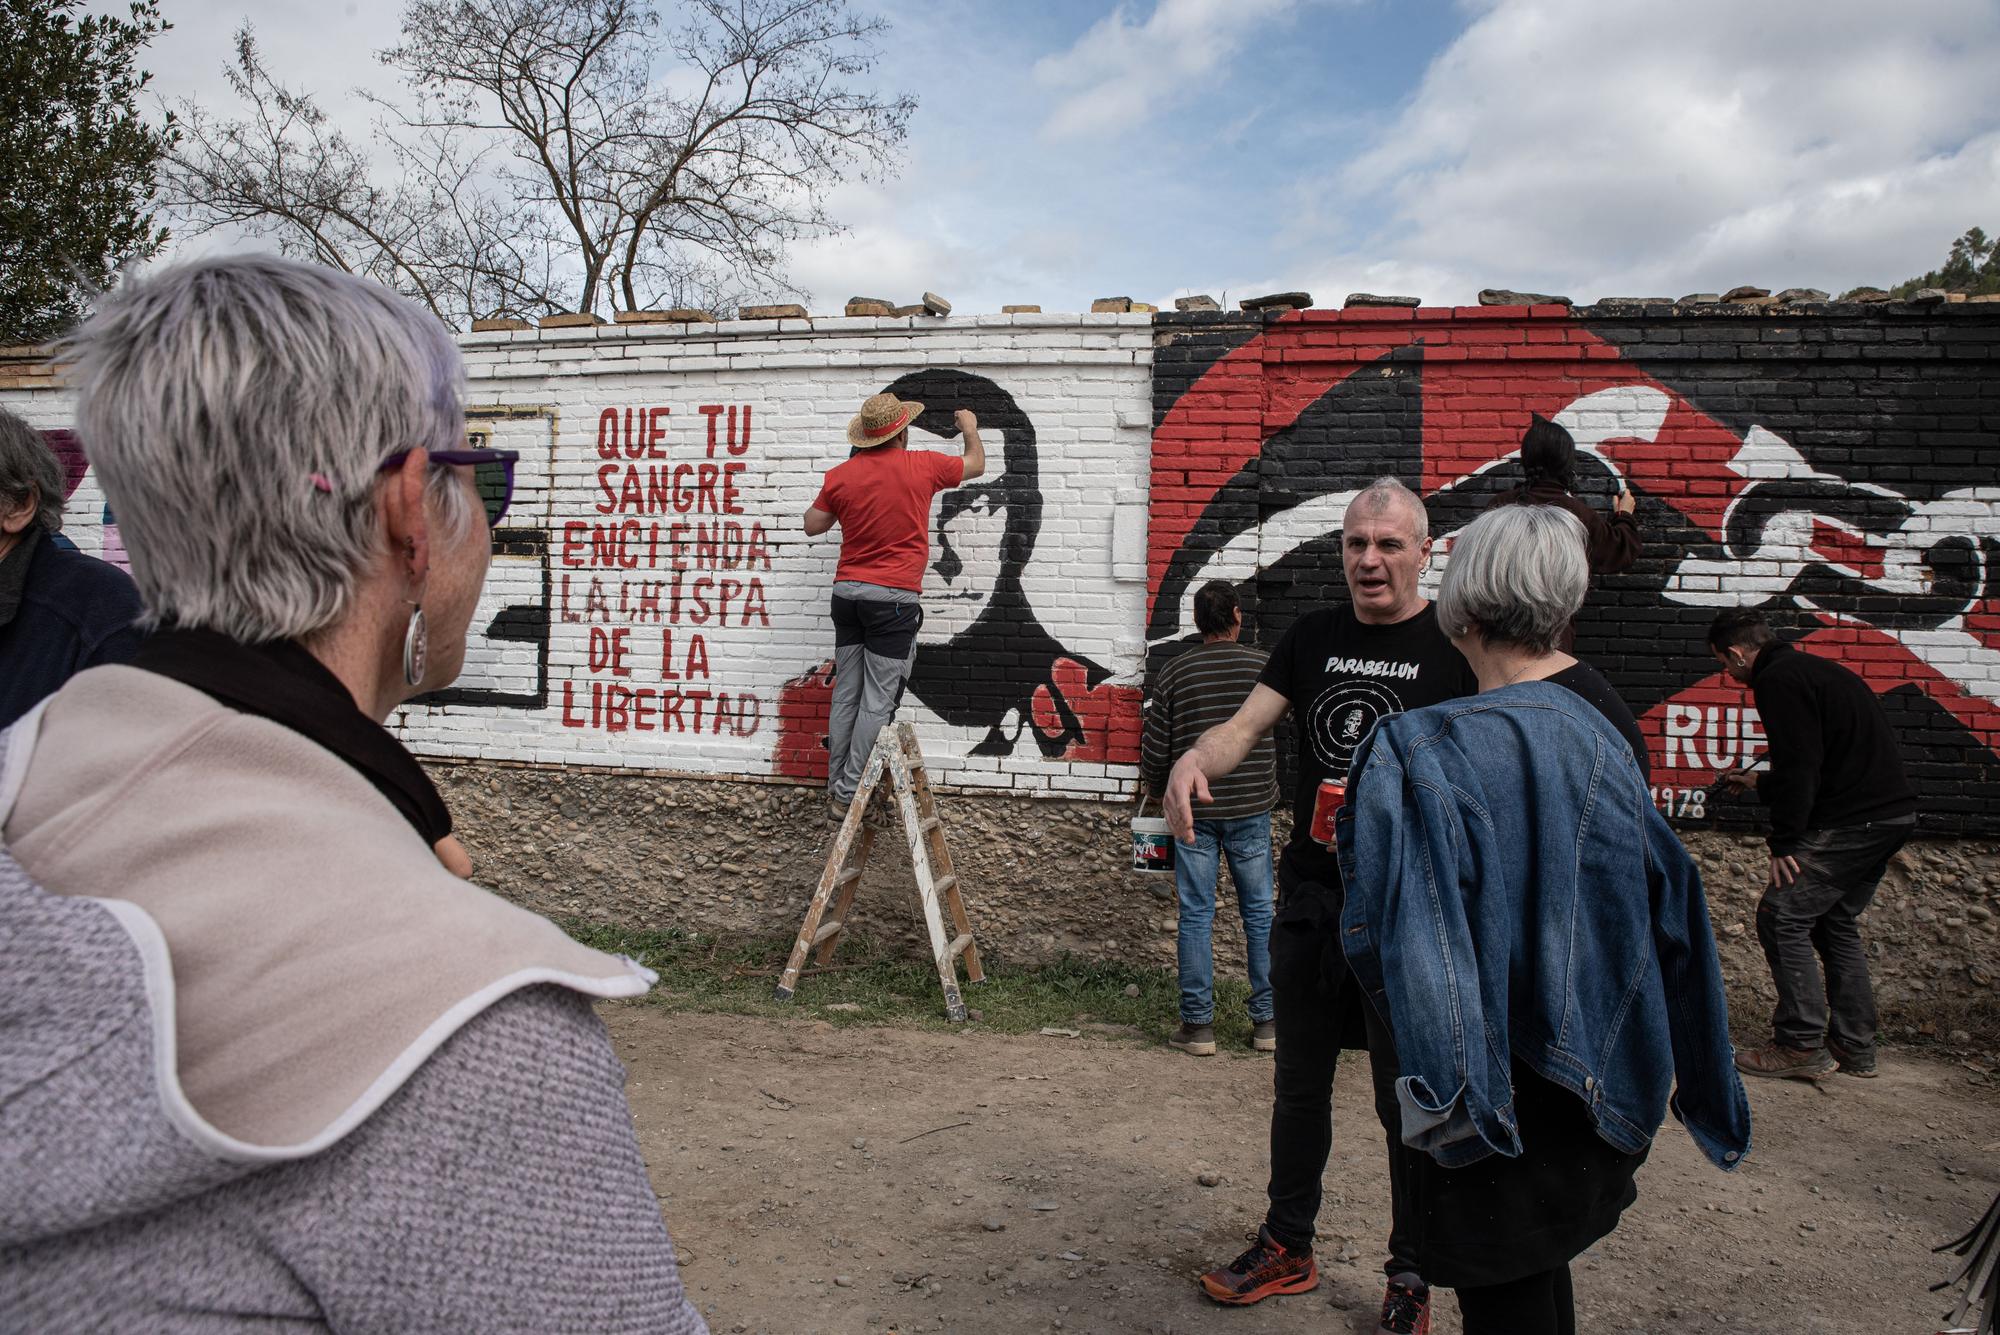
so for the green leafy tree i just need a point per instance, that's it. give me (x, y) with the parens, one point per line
(76, 159)
(1971, 267)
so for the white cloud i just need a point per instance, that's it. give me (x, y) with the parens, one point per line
(1114, 76)
(1616, 149)
(890, 250)
(1593, 149)
(901, 242)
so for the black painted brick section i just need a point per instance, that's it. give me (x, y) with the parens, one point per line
(1888, 395)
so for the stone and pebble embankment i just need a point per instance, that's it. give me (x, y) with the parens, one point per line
(1048, 878)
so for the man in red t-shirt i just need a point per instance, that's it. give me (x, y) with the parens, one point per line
(881, 498)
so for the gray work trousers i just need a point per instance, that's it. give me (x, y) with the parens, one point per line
(874, 646)
(1816, 916)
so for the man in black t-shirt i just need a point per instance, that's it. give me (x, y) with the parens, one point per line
(1338, 670)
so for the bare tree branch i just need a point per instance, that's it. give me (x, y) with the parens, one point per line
(439, 233)
(678, 164)
(562, 154)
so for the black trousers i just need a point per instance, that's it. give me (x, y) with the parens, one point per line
(1540, 1304)
(1813, 921)
(1318, 1009)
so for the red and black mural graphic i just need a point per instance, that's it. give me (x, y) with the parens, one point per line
(1839, 471)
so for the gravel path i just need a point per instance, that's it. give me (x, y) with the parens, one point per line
(802, 1172)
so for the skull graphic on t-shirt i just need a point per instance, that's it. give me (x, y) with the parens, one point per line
(1339, 719)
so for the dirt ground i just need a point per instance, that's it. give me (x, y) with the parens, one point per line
(809, 1187)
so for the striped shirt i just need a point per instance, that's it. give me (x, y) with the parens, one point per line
(1195, 691)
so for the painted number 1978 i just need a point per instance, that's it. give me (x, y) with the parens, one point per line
(1688, 802)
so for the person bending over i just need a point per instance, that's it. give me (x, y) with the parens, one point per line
(1841, 806)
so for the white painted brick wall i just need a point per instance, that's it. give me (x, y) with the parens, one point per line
(1083, 381)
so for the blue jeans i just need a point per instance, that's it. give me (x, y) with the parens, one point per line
(1247, 843)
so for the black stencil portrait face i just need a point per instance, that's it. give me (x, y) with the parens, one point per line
(968, 559)
(985, 531)
(984, 652)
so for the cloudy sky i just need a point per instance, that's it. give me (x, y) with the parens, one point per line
(1071, 149)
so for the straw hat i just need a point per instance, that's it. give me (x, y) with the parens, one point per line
(880, 418)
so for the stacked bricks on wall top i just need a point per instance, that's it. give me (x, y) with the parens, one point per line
(654, 606)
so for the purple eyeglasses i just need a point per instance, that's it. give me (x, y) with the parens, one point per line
(492, 475)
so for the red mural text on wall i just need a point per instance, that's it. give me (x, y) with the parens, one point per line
(673, 560)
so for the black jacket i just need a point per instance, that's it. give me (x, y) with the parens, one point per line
(1611, 542)
(60, 612)
(1834, 759)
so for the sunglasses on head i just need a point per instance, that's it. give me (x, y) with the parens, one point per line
(492, 475)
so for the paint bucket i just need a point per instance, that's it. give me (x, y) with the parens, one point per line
(1152, 843)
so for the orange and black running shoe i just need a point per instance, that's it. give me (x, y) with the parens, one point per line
(1266, 1269)
(1406, 1307)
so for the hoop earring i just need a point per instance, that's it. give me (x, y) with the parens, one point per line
(416, 647)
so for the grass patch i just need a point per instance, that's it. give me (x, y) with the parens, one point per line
(721, 975)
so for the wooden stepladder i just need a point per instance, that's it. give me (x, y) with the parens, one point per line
(898, 761)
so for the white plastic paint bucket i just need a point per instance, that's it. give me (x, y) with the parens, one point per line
(1152, 843)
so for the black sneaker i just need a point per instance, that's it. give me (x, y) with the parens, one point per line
(1406, 1307)
(1860, 1064)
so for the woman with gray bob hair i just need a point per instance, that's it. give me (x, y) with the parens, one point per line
(292, 1065)
(1515, 578)
(1505, 844)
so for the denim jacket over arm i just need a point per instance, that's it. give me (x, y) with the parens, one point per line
(1511, 892)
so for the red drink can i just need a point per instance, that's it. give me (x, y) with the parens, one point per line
(1327, 802)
